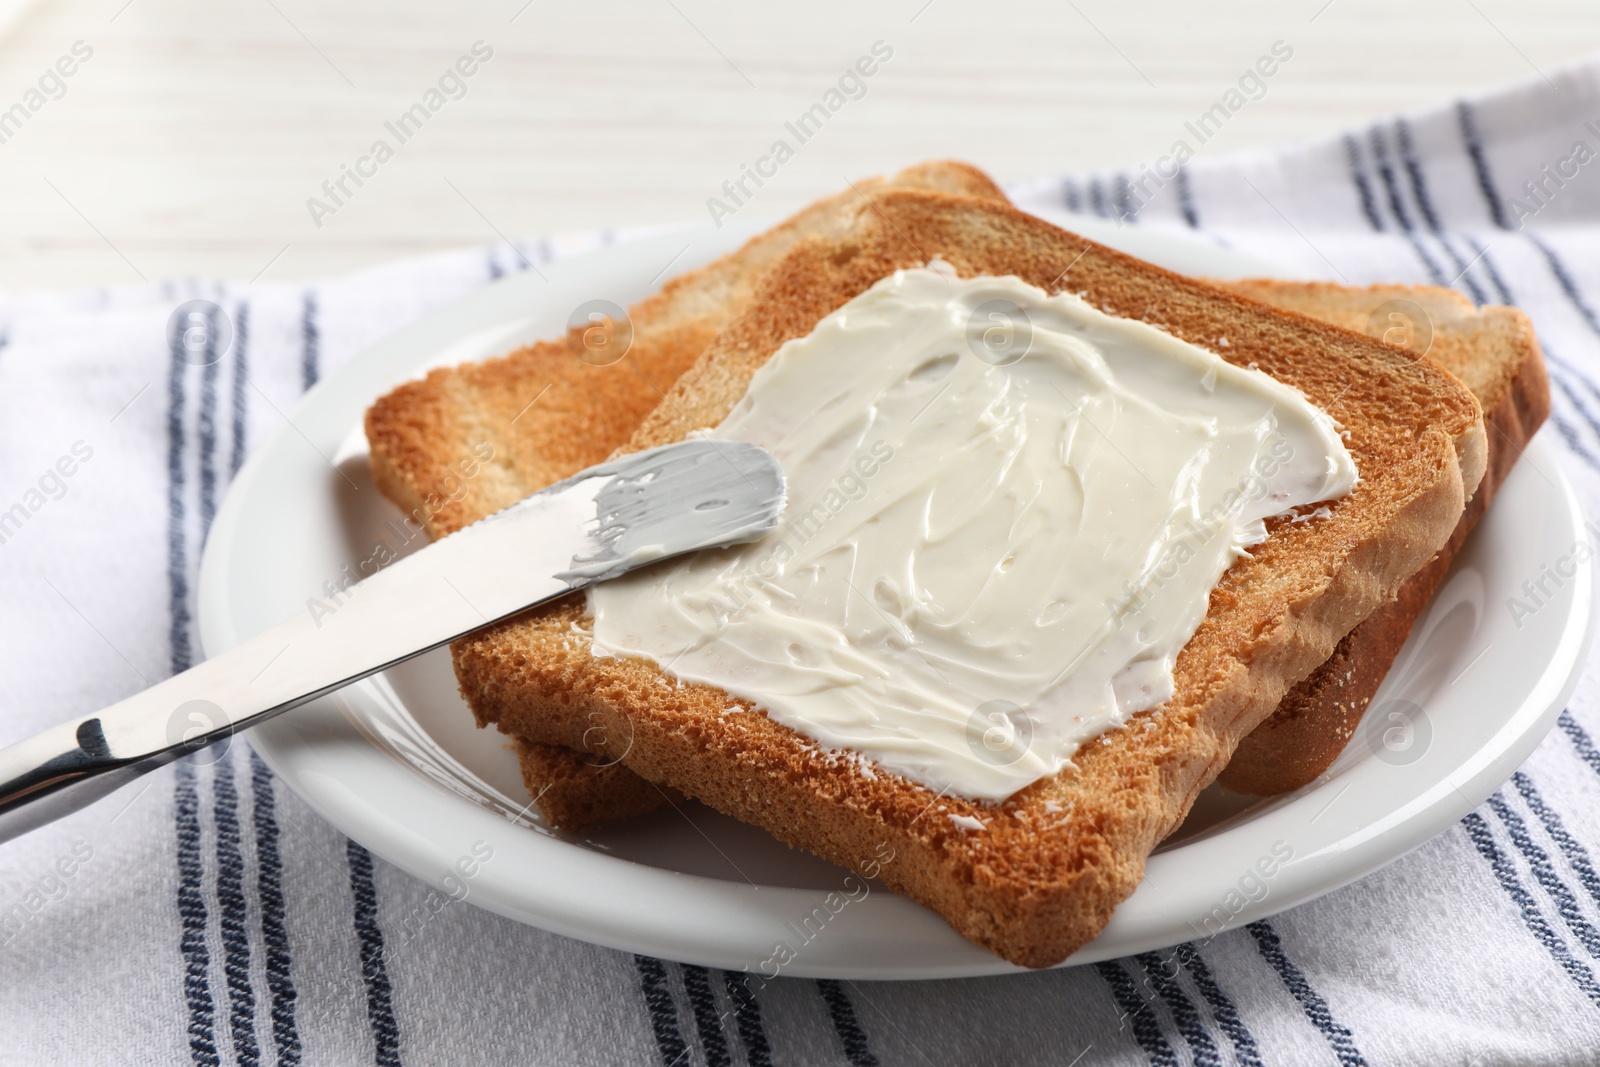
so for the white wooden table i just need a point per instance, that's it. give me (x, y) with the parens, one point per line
(189, 143)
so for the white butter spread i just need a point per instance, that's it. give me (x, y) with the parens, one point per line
(1007, 511)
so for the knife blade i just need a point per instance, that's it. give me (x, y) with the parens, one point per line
(598, 524)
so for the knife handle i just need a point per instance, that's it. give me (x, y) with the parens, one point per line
(412, 606)
(402, 611)
(56, 772)
(71, 765)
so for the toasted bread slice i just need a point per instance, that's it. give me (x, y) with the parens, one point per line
(1495, 353)
(1051, 862)
(547, 414)
(411, 432)
(1492, 350)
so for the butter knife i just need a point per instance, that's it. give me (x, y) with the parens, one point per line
(598, 524)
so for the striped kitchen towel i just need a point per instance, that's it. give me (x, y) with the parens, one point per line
(208, 916)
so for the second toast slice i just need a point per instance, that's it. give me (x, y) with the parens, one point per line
(1494, 351)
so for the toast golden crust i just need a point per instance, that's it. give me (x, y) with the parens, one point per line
(1495, 353)
(419, 432)
(1053, 861)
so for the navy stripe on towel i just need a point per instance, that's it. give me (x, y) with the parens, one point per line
(1532, 917)
(380, 1005)
(1358, 175)
(274, 931)
(697, 984)
(1468, 124)
(1577, 373)
(1577, 856)
(1339, 1037)
(1419, 184)
(206, 430)
(1580, 740)
(1502, 291)
(1430, 217)
(1545, 874)
(747, 1014)
(192, 915)
(1137, 1013)
(1184, 1014)
(310, 341)
(1573, 442)
(177, 556)
(845, 1024)
(1097, 198)
(1191, 213)
(1397, 207)
(663, 1016)
(1584, 413)
(1569, 287)
(1070, 195)
(186, 796)
(1245, 1049)
(241, 379)
(1391, 188)
(234, 912)
(1127, 211)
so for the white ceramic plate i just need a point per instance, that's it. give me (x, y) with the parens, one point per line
(396, 763)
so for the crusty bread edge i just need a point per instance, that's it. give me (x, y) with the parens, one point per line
(420, 433)
(1032, 924)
